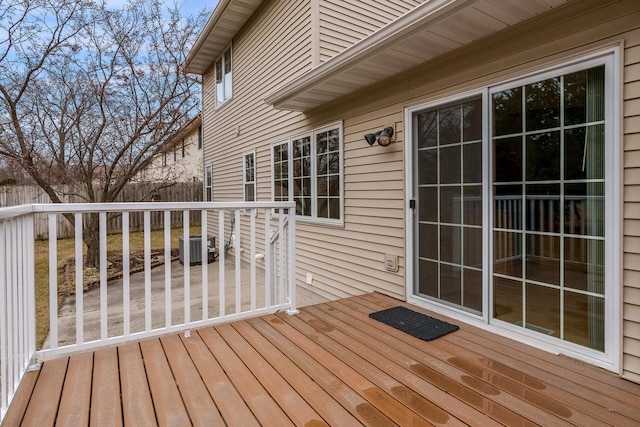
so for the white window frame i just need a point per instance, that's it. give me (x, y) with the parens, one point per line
(314, 173)
(611, 357)
(227, 92)
(244, 175)
(273, 170)
(208, 183)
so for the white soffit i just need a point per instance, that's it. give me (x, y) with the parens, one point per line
(424, 33)
(223, 24)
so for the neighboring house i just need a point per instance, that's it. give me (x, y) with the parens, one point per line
(510, 197)
(178, 160)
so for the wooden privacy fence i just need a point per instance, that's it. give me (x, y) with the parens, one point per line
(132, 192)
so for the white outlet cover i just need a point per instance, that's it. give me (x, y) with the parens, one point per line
(309, 279)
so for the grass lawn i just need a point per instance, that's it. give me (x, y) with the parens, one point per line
(66, 254)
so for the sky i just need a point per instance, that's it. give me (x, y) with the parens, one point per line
(188, 7)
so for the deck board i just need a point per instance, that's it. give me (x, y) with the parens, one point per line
(329, 365)
(43, 406)
(106, 410)
(199, 404)
(257, 397)
(76, 393)
(220, 387)
(137, 405)
(596, 387)
(170, 410)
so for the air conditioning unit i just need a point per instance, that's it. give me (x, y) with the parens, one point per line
(195, 249)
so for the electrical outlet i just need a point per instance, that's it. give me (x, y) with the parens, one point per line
(309, 279)
(391, 262)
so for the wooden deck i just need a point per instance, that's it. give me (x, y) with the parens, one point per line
(330, 364)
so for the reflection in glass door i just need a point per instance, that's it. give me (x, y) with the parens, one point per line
(448, 148)
(548, 206)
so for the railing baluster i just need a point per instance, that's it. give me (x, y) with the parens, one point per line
(126, 279)
(167, 268)
(14, 294)
(53, 281)
(205, 264)
(19, 296)
(221, 285)
(79, 280)
(267, 258)
(147, 271)
(31, 300)
(187, 267)
(238, 262)
(292, 262)
(20, 291)
(103, 275)
(253, 258)
(4, 355)
(282, 269)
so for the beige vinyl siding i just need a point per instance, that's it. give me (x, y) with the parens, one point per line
(350, 259)
(552, 39)
(631, 228)
(341, 23)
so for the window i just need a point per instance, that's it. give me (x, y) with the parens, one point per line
(208, 183)
(307, 169)
(223, 77)
(183, 147)
(249, 176)
(199, 137)
(281, 172)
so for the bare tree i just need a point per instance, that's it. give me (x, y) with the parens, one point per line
(87, 93)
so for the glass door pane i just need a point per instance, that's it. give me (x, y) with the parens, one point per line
(548, 206)
(448, 150)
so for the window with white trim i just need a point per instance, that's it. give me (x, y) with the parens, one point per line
(249, 176)
(307, 169)
(281, 172)
(208, 183)
(224, 80)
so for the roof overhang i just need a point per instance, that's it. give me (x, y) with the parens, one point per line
(430, 30)
(225, 21)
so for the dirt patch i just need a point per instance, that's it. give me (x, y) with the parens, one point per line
(91, 275)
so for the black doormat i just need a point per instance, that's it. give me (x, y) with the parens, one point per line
(413, 323)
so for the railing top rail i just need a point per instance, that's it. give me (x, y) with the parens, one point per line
(15, 211)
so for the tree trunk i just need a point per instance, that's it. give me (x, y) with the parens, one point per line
(91, 238)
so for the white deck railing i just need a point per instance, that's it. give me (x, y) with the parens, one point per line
(253, 275)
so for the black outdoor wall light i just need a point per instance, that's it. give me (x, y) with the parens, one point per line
(384, 137)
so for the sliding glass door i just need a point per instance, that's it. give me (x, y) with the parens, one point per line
(514, 193)
(548, 200)
(449, 176)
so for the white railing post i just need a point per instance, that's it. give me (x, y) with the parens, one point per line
(31, 297)
(237, 261)
(79, 280)
(53, 281)
(103, 275)
(204, 234)
(167, 268)
(268, 283)
(292, 262)
(187, 267)
(221, 262)
(252, 261)
(4, 355)
(147, 271)
(126, 280)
